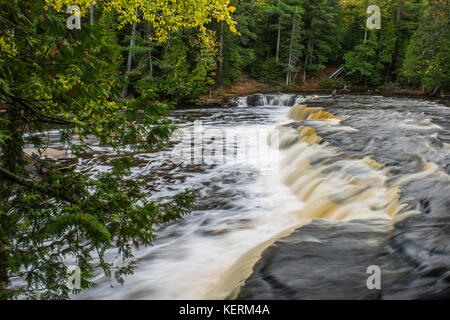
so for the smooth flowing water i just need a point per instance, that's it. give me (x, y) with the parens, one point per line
(242, 204)
(341, 159)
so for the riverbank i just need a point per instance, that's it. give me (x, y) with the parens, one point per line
(247, 86)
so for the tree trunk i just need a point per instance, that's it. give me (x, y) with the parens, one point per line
(288, 74)
(278, 39)
(149, 31)
(435, 90)
(399, 7)
(12, 160)
(130, 60)
(92, 13)
(150, 59)
(380, 42)
(365, 33)
(306, 60)
(4, 259)
(220, 71)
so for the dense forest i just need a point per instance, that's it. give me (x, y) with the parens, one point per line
(287, 42)
(282, 43)
(115, 76)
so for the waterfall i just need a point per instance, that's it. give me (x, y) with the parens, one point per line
(278, 99)
(352, 175)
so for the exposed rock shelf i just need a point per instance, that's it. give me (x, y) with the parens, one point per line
(408, 144)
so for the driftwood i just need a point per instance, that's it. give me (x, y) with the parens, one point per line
(337, 73)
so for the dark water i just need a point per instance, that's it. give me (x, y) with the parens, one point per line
(328, 259)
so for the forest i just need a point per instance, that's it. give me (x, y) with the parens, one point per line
(285, 43)
(113, 72)
(280, 43)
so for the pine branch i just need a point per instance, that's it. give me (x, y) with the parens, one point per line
(15, 178)
(43, 117)
(29, 183)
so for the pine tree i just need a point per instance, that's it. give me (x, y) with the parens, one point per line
(428, 55)
(321, 33)
(52, 77)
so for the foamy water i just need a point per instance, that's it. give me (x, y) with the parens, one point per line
(249, 201)
(243, 203)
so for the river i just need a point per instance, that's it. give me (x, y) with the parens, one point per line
(311, 195)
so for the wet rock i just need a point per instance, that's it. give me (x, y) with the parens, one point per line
(328, 260)
(210, 103)
(322, 260)
(232, 102)
(214, 102)
(50, 158)
(256, 100)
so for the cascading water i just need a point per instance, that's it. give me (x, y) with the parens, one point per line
(241, 205)
(270, 100)
(377, 167)
(354, 171)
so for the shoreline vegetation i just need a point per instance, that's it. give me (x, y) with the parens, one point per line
(247, 86)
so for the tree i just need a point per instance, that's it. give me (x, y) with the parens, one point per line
(239, 51)
(362, 62)
(371, 61)
(277, 40)
(321, 33)
(130, 58)
(408, 17)
(427, 59)
(52, 77)
(276, 9)
(187, 68)
(166, 16)
(292, 57)
(220, 68)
